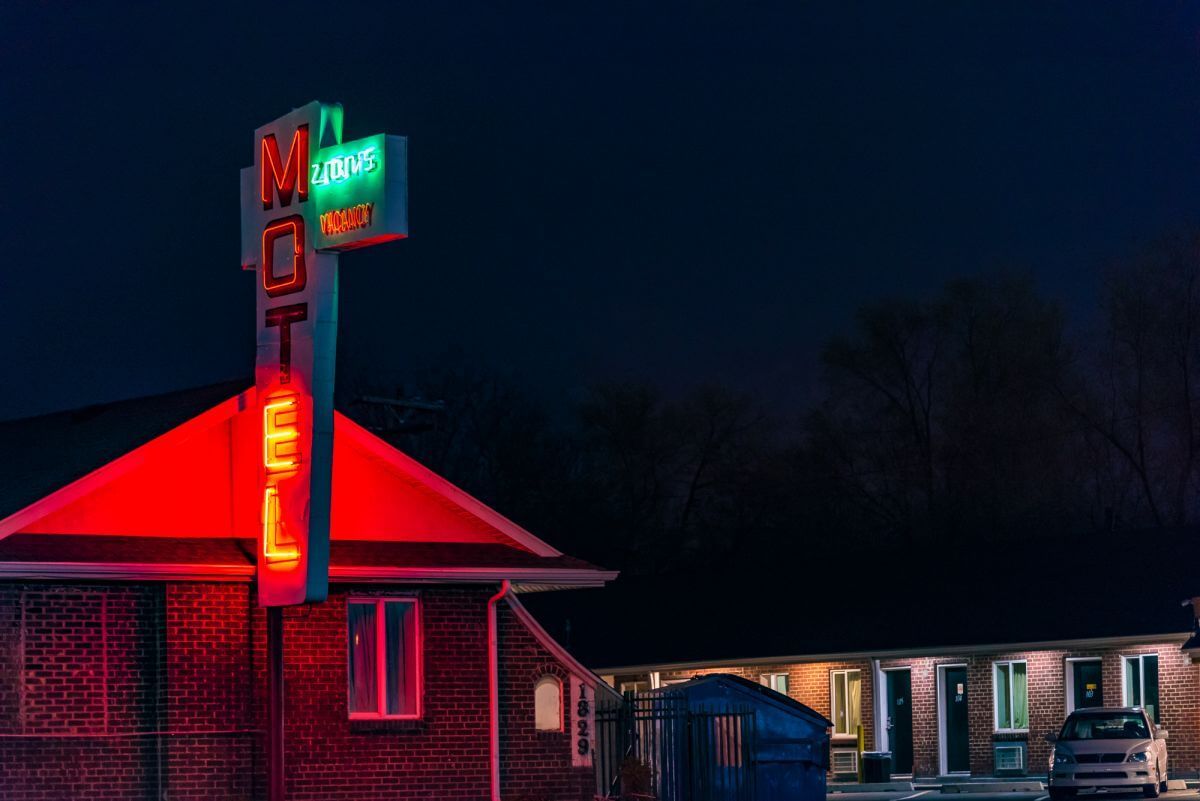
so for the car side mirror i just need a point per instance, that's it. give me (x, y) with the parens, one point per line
(1160, 733)
(1051, 737)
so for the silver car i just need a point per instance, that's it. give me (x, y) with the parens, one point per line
(1108, 749)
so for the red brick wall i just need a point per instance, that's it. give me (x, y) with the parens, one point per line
(162, 689)
(214, 747)
(535, 765)
(74, 715)
(1179, 692)
(442, 755)
(809, 683)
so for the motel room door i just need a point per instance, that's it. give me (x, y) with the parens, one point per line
(899, 722)
(956, 742)
(1087, 682)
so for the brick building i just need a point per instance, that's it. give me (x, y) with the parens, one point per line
(979, 710)
(132, 646)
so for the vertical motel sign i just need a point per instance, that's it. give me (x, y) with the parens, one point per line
(308, 196)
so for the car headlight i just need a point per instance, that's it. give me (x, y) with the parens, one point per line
(1140, 756)
(1063, 759)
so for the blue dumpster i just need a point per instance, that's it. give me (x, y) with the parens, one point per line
(788, 748)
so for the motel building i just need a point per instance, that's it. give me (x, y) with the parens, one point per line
(238, 593)
(132, 642)
(974, 709)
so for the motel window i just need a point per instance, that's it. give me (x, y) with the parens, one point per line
(634, 687)
(846, 700)
(547, 704)
(1011, 685)
(1141, 683)
(776, 681)
(384, 672)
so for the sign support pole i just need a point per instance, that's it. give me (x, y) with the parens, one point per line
(307, 197)
(275, 787)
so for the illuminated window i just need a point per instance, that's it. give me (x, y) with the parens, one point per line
(846, 700)
(547, 704)
(1011, 685)
(1140, 685)
(776, 681)
(384, 670)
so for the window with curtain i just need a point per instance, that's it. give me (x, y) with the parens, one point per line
(1011, 684)
(384, 670)
(846, 700)
(547, 704)
(776, 681)
(1141, 683)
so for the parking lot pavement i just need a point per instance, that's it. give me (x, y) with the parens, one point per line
(932, 795)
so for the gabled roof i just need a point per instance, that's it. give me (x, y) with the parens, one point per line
(184, 495)
(42, 454)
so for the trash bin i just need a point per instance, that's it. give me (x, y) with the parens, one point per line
(877, 766)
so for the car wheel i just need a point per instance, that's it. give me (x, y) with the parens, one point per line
(1150, 790)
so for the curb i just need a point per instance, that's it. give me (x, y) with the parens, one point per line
(994, 787)
(876, 787)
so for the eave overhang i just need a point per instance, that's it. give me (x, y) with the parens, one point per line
(1086, 644)
(529, 579)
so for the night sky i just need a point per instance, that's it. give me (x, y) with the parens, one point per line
(677, 193)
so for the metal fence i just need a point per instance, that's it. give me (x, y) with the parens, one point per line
(654, 746)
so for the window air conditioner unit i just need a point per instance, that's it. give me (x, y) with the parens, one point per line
(1009, 757)
(844, 761)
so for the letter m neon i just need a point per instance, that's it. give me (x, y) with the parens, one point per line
(284, 178)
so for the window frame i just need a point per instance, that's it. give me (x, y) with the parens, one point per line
(1011, 696)
(843, 674)
(1125, 700)
(562, 721)
(765, 680)
(381, 657)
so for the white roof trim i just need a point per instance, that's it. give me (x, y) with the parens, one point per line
(902, 653)
(126, 571)
(539, 575)
(138, 571)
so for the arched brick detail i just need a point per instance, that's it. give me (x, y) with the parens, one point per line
(549, 669)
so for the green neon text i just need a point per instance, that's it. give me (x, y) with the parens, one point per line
(342, 168)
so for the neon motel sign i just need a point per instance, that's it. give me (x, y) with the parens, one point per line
(307, 197)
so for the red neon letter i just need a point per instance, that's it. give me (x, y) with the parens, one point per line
(284, 316)
(293, 282)
(284, 178)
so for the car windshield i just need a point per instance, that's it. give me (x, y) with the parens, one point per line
(1106, 726)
